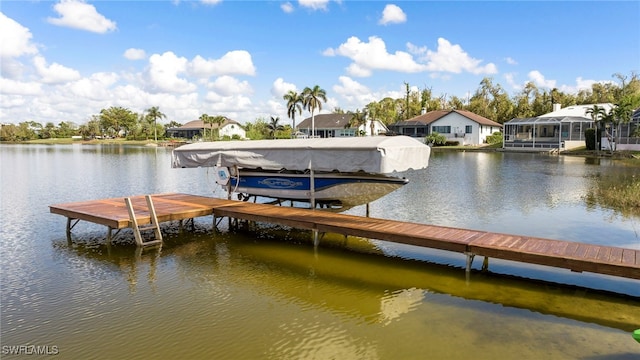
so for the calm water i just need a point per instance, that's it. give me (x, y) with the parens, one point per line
(267, 294)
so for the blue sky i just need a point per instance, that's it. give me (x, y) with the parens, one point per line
(66, 60)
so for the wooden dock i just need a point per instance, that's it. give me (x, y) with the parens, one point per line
(579, 257)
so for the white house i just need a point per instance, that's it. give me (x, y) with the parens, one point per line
(232, 128)
(462, 126)
(562, 129)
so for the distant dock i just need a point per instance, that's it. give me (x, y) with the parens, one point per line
(578, 257)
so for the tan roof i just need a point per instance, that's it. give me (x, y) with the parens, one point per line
(199, 124)
(327, 121)
(435, 115)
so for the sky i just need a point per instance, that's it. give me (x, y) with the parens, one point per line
(66, 60)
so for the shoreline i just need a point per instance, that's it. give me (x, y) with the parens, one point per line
(633, 156)
(618, 155)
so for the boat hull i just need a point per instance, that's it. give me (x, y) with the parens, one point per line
(347, 189)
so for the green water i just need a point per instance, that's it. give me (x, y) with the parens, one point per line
(267, 293)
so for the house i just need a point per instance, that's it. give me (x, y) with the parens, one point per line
(456, 125)
(562, 129)
(197, 128)
(625, 137)
(338, 125)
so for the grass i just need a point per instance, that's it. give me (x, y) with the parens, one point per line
(614, 193)
(621, 154)
(94, 141)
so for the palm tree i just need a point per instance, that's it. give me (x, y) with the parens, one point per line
(218, 120)
(294, 103)
(274, 127)
(357, 119)
(206, 119)
(608, 121)
(154, 113)
(311, 102)
(596, 112)
(621, 115)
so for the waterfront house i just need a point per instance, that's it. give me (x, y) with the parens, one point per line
(465, 127)
(197, 128)
(338, 125)
(561, 129)
(626, 140)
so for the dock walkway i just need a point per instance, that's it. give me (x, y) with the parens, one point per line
(579, 257)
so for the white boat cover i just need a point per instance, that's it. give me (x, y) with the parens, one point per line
(371, 154)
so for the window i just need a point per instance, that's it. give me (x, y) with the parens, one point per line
(468, 129)
(441, 129)
(345, 133)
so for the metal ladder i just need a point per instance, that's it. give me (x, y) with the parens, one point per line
(153, 225)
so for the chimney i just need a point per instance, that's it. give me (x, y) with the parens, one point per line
(424, 111)
(557, 107)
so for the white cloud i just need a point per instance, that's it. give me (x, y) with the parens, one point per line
(226, 104)
(510, 77)
(55, 73)
(374, 56)
(11, 104)
(163, 73)
(96, 87)
(226, 86)
(211, 2)
(511, 61)
(15, 39)
(451, 58)
(237, 62)
(135, 54)
(538, 79)
(416, 50)
(11, 68)
(279, 88)
(278, 108)
(392, 14)
(354, 92)
(314, 4)
(541, 82)
(79, 15)
(287, 7)
(13, 87)
(582, 84)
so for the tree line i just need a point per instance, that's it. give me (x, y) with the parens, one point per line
(492, 101)
(114, 122)
(489, 100)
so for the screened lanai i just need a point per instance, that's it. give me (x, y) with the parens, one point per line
(563, 132)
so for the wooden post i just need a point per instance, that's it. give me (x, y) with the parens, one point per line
(470, 257)
(312, 188)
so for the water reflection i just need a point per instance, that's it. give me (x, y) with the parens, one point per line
(373, 288)
(399, 303)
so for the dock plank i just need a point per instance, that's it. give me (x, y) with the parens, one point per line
(574, 256)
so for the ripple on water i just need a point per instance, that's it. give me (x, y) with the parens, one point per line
(300, 339)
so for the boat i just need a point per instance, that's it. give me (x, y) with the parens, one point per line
(331, 188)
(342, 172)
